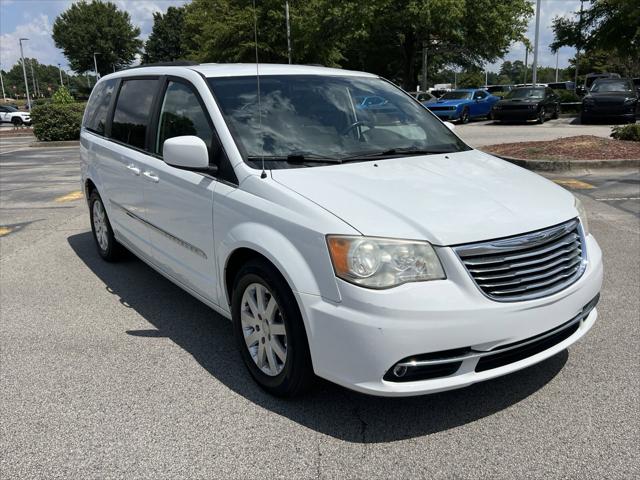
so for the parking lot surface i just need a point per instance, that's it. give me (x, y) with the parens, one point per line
(487, 132)
(111, 371)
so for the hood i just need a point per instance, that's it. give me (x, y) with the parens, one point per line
(520, 101)
(609, 97)
(452, 102)
(445, 199)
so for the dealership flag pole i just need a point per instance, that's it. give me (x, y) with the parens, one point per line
(4, 97)
(286, 11)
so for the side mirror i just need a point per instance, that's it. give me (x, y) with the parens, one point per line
(188, 152)
(450, 126)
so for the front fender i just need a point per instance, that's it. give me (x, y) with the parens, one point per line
(297, 268)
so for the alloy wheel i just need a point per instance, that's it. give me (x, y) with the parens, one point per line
(263, 329)
(100, 225)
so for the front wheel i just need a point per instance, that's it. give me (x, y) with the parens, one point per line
(269, 331)
(17, 121)
(542, 115)
(556, 112)
(464, 116)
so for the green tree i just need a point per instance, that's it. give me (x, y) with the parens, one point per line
(611, 27)
(166, 41)
(386, 37)
(471, 79)
(100, 27)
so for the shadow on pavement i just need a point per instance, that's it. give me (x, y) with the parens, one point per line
(328, 409)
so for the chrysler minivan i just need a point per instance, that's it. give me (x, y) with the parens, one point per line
(361, 242)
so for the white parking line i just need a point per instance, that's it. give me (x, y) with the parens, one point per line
(613, 199)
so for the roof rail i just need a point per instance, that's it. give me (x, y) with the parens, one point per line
(175, 63)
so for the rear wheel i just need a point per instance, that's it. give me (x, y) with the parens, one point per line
(556, 112)
(269, 330)
(108, 248)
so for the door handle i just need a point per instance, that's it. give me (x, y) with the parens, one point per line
(133, 169)
(152, 177)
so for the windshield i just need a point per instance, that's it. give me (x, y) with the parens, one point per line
(611, 86)
(11, 109)
(330, 117)
(525, 93)
(456, 95)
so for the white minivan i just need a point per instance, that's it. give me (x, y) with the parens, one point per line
(345, 230)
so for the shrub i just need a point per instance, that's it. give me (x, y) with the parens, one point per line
(567, 96)
(626, 132)
(57, 121)
(62, 96)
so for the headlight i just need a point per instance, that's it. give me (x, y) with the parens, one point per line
(629, 101)
(383, 262)
(582, 213)
(531, 107)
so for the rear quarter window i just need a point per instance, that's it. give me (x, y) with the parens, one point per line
(95, 117)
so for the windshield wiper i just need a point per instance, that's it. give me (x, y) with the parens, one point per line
(396, 151)
(297, 158)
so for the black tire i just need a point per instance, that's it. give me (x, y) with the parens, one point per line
(113, 250)
(556, 112)
(17, 121)
(542, 115)
(297, 372)
(490, 115)
(583, 120)
(464, 116)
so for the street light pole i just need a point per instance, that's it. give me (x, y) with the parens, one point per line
(526, 61)
(60, 72)
(95, 65)
(535, 45)
(425, 58)
(24, 72)
(286, 13)
(33, 80)
(557, 57)
(4, 97)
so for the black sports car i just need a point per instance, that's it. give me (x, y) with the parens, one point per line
(527, 103)
(610, 98)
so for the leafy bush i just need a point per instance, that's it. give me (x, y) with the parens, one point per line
(567, 96)
(626, 132)
(62, 96)
(57, 121)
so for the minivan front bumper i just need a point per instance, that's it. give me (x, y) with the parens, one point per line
(357, 342)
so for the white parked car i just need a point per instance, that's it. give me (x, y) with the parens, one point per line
(365, 244)
(13, 115)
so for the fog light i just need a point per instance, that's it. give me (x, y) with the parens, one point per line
(399, 370)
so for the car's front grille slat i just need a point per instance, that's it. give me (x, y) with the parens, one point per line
(517, 273)
(527, 266)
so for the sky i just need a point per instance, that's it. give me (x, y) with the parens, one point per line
(33, 19)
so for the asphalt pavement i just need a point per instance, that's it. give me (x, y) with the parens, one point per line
(111, 371)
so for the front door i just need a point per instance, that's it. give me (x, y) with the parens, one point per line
(180, 202)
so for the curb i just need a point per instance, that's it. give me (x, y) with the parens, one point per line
(63, 143)
(559, 165)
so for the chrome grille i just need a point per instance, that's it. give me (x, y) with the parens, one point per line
(527, 266)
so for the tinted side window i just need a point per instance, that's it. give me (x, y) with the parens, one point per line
(133, 111)
(95, 117)
(182, 114)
